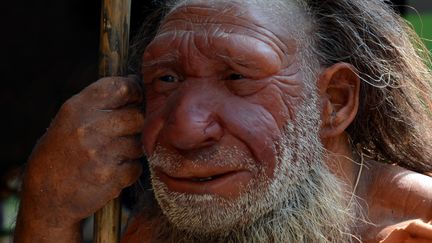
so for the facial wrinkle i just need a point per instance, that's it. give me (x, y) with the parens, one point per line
(169, 58)
(304, 203)
(249, 28)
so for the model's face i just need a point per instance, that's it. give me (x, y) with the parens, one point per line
(221, 87)
(217, 82)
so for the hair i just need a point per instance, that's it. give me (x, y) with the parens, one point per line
(393, 124)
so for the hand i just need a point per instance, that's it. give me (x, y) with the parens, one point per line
(412, 231)
(87, 156)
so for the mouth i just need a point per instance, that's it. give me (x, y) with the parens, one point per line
(228, 184)
(208, 178)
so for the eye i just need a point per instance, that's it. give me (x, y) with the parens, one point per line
(235, 76)
(168, 79)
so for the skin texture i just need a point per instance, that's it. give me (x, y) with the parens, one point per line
(211, 81)
(86, 157)
(210, 104)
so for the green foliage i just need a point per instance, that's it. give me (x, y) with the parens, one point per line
(422, 24)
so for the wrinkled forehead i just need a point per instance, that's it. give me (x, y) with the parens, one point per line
(279, 23)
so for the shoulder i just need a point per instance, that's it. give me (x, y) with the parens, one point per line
(405, 193)
(394, 195)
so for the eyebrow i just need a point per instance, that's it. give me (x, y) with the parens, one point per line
(174, 56)
(169, 58)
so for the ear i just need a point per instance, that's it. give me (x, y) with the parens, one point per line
(338, 87)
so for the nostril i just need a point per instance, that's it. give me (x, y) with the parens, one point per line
(194, 137)
(208, 142)
(213, 131)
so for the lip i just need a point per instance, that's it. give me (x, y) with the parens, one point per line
(228, 184)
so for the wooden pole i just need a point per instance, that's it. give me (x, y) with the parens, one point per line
(114, 37)
(114, 44)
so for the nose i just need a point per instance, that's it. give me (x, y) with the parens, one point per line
(193, 123)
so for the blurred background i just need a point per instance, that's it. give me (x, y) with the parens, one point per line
(50, 50)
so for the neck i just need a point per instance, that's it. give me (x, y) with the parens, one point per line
(340, 159)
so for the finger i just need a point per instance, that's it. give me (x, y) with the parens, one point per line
(420, 229)
(119, 177)
(114, 123)
(126, 163)
(417, 240)
(396, 235)
(129, 151)
(125, 149)
(132, 169)
(112, 157)
(113, 92)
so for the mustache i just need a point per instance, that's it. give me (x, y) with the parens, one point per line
(220, 156)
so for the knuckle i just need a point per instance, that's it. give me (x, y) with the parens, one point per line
(87, 131)
(92, 154)
(82, 131)
(114, 86)
(123, 89)
(131, 173)
(103, 175)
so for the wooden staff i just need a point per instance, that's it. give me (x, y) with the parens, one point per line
(114, 44)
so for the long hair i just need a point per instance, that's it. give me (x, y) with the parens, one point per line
(393, 124)
(394, 121)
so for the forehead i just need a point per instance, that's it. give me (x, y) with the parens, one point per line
(225, 18)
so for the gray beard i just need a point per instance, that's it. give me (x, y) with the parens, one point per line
(304, 202)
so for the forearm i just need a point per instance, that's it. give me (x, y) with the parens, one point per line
(26, 233)
(31, 227)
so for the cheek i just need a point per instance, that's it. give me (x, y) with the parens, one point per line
(156, 115)
(263, 116)
(280, 99)
(154, 101)
(254, 126)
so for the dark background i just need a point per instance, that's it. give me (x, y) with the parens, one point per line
(49, 52)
